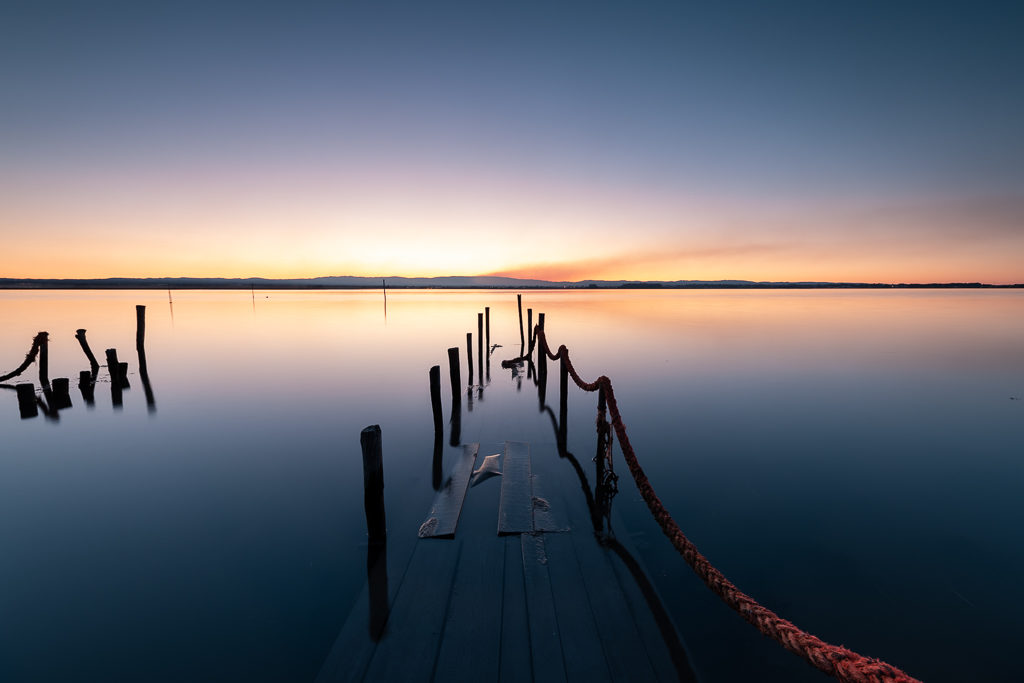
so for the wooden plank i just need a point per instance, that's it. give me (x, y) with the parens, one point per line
(514, 656)
(623, 646)
(409, 651)
(545, 642)
(444, 513)
(664, 645)
(353, 649)
(581, 644)
(549, 514)
(515, 513)
(471, 643)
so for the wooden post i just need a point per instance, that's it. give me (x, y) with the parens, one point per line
(85, 385)
(122, 371)
(377, 580)
(529, 327)
(542, 355)
(454, 376)
(487, 323)
(61, 393)
(140, 328)
(373, 483)
(522, 338)
(563, 402)
(140, 346)
(44, 361)
(469, 355)
(93, 363)
(114, 370)
(480, 344)
(435, 402)
(27, 400)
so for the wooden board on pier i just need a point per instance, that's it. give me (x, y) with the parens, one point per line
(444, 513)
(515, 607)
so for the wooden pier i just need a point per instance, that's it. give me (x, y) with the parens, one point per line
(507, 582)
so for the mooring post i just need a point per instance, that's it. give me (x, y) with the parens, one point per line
(61, 393)
(522, 338)
(454, 376)
(469, 356)
(487, 324)
(140, 328)
(44, 360)
(27, 400)
(373, 483)
(114, 370)
(85, 385)
(93, 363)
(435, 402)
(563, 402)
(140, 346)
(480, 344)
(542, 354)
(529, 327)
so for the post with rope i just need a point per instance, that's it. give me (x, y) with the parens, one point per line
(563, 405)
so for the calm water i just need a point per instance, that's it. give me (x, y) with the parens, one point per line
(852, 459)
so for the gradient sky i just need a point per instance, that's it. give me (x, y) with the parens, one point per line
(839, 140)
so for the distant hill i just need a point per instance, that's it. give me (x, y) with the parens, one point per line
(446, 282)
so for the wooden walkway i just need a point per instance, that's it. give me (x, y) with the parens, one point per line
(506, 583)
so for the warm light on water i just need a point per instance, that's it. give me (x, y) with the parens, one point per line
(851, 458)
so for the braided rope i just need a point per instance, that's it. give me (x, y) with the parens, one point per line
(37, 341)
(834, 660)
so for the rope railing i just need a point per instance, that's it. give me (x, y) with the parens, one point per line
(29, 357)
(835, 660)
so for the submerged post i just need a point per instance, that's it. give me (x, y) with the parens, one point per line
(480, 344)
(140, 328)
(563, 402)
(522, 338)
(44, 360)
(93, 363)
(61, 393)
(114, 370)
(454, 376)
(373, 483)
(435, 401)
(469, 355)
(27, 400)
(85, 385)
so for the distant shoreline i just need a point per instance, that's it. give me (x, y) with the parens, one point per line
(459, 282)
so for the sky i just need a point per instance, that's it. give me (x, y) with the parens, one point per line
(785, 141)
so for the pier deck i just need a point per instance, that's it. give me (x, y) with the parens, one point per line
(542, 600)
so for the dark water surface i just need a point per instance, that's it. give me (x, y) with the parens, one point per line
(851, 459)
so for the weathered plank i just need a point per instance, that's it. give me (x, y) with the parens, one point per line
(581, 645)
(409, 651)
(444, 513)
(545, 643)
(471, 643)
(623, 646)
(515, 664)
(515, 513)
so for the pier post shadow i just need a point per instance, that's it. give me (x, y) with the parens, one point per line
(377, 583)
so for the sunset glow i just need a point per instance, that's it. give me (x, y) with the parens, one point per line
(606, 141)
